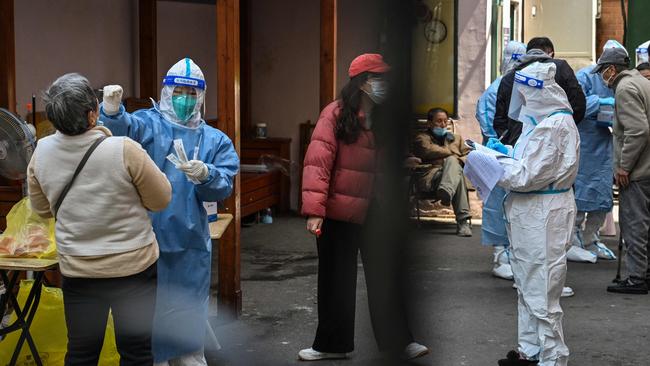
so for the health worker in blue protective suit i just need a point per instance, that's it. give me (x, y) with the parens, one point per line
(493, 229)
(182, 229)
(593, 187)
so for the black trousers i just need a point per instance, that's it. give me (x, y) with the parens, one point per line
(87, 302)
(338, 247)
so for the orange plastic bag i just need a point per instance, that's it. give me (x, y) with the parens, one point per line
(27, 234)
(50, 333)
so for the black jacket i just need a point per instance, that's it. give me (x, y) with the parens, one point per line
(564, 76)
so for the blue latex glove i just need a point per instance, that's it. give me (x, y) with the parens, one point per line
(496, 145)
(606, 101)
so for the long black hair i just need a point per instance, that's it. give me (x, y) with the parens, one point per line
(348, 126)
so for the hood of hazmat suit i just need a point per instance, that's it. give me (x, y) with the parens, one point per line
(511, 55)
(540, 209)
(184, 73)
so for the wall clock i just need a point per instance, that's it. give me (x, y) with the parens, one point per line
(435, 31)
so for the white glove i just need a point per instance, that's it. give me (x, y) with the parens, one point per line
(196, 170)
(112, 99)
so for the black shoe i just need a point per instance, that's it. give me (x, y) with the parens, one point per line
(628, 287)
(513, 359)
(443, 196)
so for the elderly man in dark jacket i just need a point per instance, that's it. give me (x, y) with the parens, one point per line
(631, 164)
(539, 49)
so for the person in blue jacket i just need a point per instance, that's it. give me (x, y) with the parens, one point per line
(182, 231)
(493, 230)
(593, 186)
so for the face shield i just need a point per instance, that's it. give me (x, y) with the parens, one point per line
(536, 95)
(613, 44)
(642, 53)
(511, 55)
(183, 93)
(524, 88)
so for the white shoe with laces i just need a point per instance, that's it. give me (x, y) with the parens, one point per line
(310, 354)
(415, 350)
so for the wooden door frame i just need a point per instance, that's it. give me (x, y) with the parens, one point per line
(7, 56)
(229, 121)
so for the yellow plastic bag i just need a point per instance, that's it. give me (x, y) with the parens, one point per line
(27, 234)
(50, 333)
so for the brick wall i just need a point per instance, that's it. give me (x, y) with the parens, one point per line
(610, 24)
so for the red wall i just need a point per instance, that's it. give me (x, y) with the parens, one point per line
(610, 24)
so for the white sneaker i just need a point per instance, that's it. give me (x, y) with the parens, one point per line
(577, 254)
(567, 292)
(502, 271)
(414, 350)
(310, 354)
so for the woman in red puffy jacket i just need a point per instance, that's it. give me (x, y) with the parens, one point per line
(338, 180)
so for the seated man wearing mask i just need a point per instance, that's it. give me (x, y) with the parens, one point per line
(540, 211)
(446, 153)
(593, 188)
(182, 230)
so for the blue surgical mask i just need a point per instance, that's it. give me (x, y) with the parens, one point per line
(184, 106)
(378, 90)
(439, 132)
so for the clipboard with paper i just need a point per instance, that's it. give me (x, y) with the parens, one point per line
(483, 169)
(475, 146)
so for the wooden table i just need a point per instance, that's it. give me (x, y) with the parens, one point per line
(218, 227)
(25, 316)
(218, 284)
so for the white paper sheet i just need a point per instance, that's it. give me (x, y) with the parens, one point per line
(484, 171)
(488, 151)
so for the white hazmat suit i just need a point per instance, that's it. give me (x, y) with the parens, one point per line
(540, 208)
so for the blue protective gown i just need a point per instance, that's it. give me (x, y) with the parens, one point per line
(593, 186)
(493, 229)
(182, 228)
(486, 108)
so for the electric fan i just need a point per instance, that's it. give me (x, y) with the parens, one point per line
(16, 146)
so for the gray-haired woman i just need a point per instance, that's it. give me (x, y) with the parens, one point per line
(106, 246)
